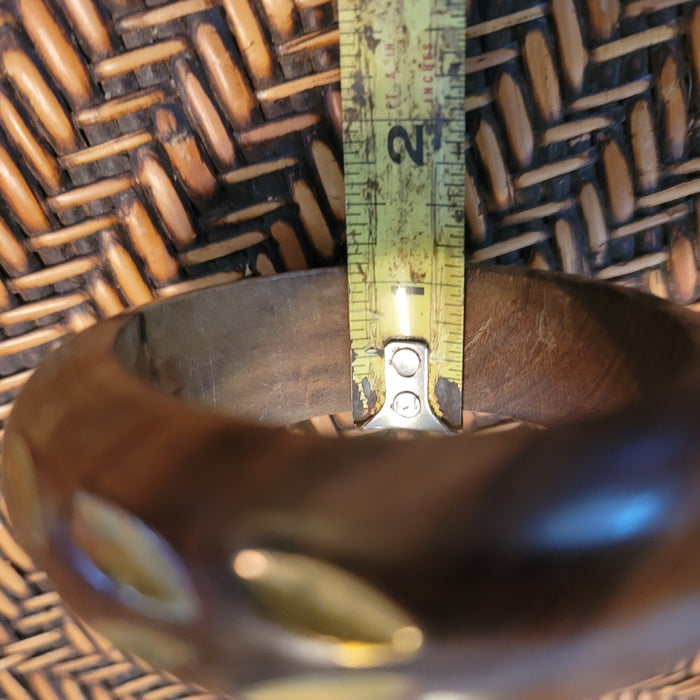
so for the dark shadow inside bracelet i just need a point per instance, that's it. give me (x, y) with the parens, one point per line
(538, 347)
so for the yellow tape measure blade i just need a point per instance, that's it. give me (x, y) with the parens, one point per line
(402, 71)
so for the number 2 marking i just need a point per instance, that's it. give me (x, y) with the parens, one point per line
(415, 153)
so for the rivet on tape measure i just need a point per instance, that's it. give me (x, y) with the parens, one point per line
(402, 72)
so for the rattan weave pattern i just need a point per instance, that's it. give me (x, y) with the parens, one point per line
(583, 139)
(148, 148)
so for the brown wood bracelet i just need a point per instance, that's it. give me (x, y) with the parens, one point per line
(144, 470)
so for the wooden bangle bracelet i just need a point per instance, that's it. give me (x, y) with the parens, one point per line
(145, 468)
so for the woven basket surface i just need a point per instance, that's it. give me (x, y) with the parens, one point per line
(150, 148)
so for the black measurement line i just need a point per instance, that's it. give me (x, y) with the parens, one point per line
(411, 290)
(397, 118)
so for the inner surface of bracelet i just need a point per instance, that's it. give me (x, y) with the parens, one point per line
(537, 347)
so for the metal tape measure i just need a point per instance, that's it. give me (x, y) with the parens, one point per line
(402, 71)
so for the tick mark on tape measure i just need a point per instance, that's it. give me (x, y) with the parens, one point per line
(418, 291)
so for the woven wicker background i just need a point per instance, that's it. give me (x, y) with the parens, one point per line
(584, 143)
(149, 148)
